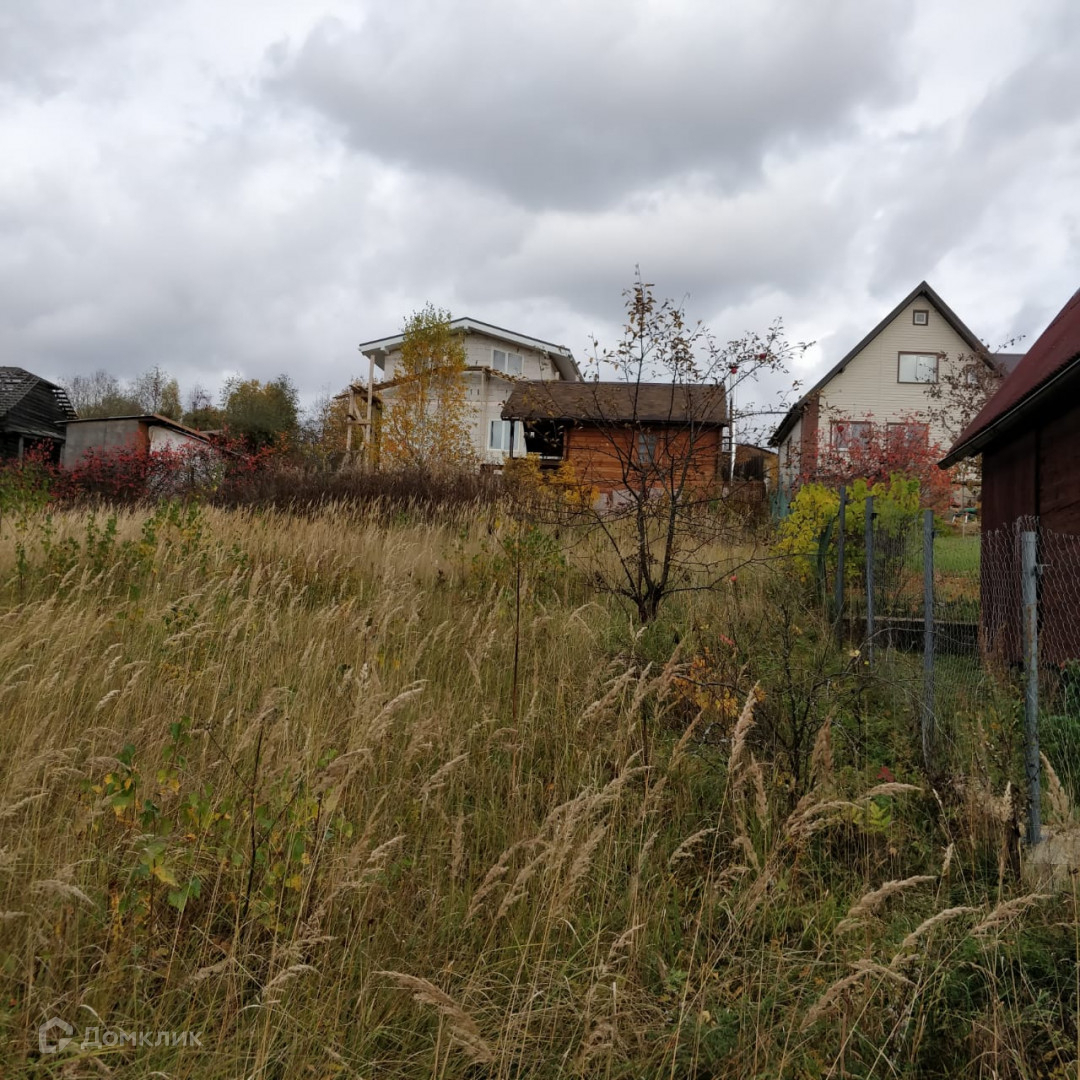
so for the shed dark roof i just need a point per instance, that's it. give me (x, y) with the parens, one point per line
(617, 402)
(922, 289)
(1055, 352)
(16, 383)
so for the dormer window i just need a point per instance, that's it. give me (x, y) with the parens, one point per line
(920, 317)
(507, 362)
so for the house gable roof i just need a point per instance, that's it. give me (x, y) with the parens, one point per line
(617, 402)
(560, 354)
(922, 289)
(1055, 354)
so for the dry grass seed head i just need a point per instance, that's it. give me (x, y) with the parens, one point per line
(463, 1029)
(821, 758)
(872, 901)
(1060, 803)
(892, 788)
(829, 1000)
(1006, 911)
(929, 924)
(740, 733)
(686, 848)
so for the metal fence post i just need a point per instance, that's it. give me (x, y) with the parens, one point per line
(928, 733)
(1029, 593)
(839, 601)
(869, 533)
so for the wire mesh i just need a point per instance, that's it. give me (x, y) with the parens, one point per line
(1059, 655)
(974, 684)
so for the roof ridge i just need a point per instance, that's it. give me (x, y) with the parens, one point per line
(922, 289)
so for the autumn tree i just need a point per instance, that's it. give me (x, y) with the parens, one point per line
(200, 412)
(100, 394)
(323, 435)
(963, 388)
(861, 448)
(864, 448)
(157, 391)
(426, 424)
(262, 414)
(662, 527)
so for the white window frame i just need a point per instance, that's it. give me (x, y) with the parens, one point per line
(914, 433)
(844, 437)
(509, 363)
(505, 441)
(917, 359)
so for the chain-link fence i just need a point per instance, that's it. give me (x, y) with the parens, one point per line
(981, 631)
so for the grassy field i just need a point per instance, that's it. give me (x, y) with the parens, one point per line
(269, 779)
(956, 554)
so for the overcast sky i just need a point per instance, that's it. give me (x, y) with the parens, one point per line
(256, 186)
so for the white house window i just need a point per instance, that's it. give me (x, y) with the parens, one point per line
(501, 435)
(920, 317)
(917, 368)
(508, 362)
(849, 433)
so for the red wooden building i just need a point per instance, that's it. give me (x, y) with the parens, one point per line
(621, 435)
(1029, 438)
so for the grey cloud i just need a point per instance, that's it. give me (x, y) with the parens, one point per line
(572, 105)
(1044, 92)
(949, 183)
(719, 253)
(509, 161)
(45, 43)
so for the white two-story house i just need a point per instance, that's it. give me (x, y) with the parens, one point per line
(882, 382)
(496, 359)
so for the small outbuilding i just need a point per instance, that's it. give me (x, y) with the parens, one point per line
(609, 430)
(1028, 436)
(33, 412)
(148, 432)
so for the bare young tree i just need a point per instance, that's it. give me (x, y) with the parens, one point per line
(99, 394)
(157, 392)
(646, 449)
(963, 388)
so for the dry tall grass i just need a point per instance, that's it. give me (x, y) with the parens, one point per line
(261, 782)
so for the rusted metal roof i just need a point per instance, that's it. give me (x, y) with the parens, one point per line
(617, 402)
(1053, 355)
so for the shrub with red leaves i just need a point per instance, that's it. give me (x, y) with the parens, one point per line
(136, 474)
(875, 452)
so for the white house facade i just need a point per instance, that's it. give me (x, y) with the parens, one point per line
(884, 380)
(496, 359)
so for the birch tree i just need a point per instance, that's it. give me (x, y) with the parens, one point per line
(426, 424)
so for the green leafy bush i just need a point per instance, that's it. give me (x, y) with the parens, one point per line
(808, 533)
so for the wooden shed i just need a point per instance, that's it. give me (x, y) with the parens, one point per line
(620, 434)
(33, 412)
(1028, 437)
